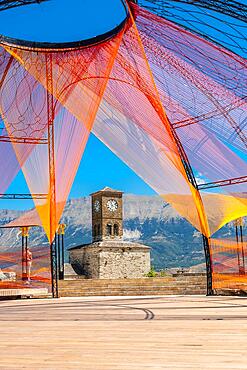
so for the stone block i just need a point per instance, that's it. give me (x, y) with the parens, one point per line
(111, 260)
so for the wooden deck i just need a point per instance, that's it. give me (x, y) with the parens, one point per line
(120, 333)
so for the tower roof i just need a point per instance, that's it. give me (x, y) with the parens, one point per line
(107, 189)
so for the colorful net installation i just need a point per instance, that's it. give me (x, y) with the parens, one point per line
(166, 96)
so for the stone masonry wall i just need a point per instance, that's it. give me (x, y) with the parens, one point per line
(85, 263)
(123, 263)
(111, 260)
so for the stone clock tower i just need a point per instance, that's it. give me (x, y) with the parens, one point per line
(107, 215)
(109, 256)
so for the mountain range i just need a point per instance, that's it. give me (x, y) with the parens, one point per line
(147, 219)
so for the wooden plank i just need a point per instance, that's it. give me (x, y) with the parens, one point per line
(124, 333)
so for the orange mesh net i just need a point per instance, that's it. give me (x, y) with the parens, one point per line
(167, 102)
(168, 75)
(14, 274)
(149, 84)
(229, 269)
(78, 83)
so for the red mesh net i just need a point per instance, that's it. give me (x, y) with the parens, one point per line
(229, 264)
(195, 102)
(160, 97)
(78, 83)
(16, 272)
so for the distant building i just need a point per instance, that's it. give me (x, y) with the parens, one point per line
(108, 256)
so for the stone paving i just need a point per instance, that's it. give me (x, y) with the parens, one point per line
(120, 333)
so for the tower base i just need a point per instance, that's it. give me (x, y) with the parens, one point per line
(111, 260)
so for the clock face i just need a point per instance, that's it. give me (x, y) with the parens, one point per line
(96, 206)
(112, 205)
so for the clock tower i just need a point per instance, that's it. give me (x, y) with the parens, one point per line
(107, 215)
(109, 256)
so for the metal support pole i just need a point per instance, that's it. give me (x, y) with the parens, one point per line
(240, 241)
(22, 196)
(59, 255)
(236, 233)
(232, 8)
(22, 255)
(53, 256)
(206, 245)
(24, 245)
(191, 178)
(26, 256)
(52, 184)
(62, 269)
(242, 244)
(60, 237)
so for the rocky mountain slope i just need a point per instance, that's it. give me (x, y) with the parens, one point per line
(147, 219)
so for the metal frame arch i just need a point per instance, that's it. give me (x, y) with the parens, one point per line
(63, 46)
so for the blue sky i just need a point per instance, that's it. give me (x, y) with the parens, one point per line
(99, 166)
(82, 19)
(62, 20)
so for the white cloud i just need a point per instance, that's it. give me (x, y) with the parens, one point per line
(199, 180)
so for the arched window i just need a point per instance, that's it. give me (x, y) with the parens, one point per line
(116, 229)
(98, 230)
(108, 229)
(95, 230)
